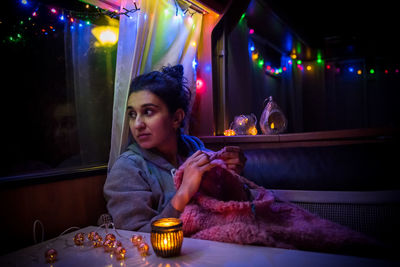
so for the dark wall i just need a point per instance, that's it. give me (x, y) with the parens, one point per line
(312, 100)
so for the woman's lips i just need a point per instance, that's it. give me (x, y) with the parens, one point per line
(143, 136)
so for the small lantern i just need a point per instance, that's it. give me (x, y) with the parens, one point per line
(244, 125)
(167, 237)
(272, 121)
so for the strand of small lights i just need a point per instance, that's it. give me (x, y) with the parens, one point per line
(55, 14)
(77, 19)
(306, 65)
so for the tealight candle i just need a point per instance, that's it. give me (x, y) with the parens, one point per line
(167, 237)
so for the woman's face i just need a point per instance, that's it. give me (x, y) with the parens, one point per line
(150, 122)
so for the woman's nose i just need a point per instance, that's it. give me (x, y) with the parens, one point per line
(139, 123)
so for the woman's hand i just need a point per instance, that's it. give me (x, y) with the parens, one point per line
(194, 168)
(234, 158)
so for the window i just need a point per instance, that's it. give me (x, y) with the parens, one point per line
(58, 81)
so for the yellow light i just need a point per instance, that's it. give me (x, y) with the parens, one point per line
(167, 237)
(254, 56)
(308, 67)
(229, 132)
(194, 44)
(293, 56)
(106, 35)
(272, 126)
(253, 131)
(359, 72)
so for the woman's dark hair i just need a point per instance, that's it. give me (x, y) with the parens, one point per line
(168, 84)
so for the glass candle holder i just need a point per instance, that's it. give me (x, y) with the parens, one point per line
(167, 237)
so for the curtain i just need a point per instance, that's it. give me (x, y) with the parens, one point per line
(157, 35)
(90, 69)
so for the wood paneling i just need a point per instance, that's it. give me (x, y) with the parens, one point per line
(58, 205)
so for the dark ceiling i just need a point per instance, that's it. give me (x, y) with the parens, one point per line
(370, 27)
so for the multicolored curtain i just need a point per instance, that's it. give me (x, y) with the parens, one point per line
(161, 33)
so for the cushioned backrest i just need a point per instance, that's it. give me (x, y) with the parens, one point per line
(370, 166)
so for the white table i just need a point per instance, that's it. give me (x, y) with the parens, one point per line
(194, 253)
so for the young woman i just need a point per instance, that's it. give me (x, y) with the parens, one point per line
(140, 187)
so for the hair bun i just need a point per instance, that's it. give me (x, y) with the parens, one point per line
(174, 71)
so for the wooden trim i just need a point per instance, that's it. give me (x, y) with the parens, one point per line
(322, 138)
(53, 175)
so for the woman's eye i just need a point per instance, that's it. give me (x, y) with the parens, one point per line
(148, 112)
(132, 114)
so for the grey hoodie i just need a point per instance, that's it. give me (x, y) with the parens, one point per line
(139, 187)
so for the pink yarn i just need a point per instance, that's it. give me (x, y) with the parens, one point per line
(223, 210)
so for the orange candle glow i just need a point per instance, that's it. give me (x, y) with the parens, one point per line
(167, 237)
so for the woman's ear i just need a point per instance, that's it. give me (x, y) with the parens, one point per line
(178, 117)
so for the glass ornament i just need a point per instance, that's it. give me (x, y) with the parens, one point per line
(272, 121)
(244, 125)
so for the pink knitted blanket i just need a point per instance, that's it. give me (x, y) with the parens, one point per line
(230, 208)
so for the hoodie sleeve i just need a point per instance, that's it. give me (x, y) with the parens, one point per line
(132, 199)
(193, 144)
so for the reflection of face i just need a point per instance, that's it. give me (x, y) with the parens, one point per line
(65, 130)
(64, 118)
(150, 122)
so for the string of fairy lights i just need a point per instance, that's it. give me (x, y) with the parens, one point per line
(292, 61)
(43, 20)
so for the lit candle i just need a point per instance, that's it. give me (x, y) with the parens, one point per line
(167, 237)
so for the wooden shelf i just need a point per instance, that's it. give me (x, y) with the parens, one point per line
(322, 138)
